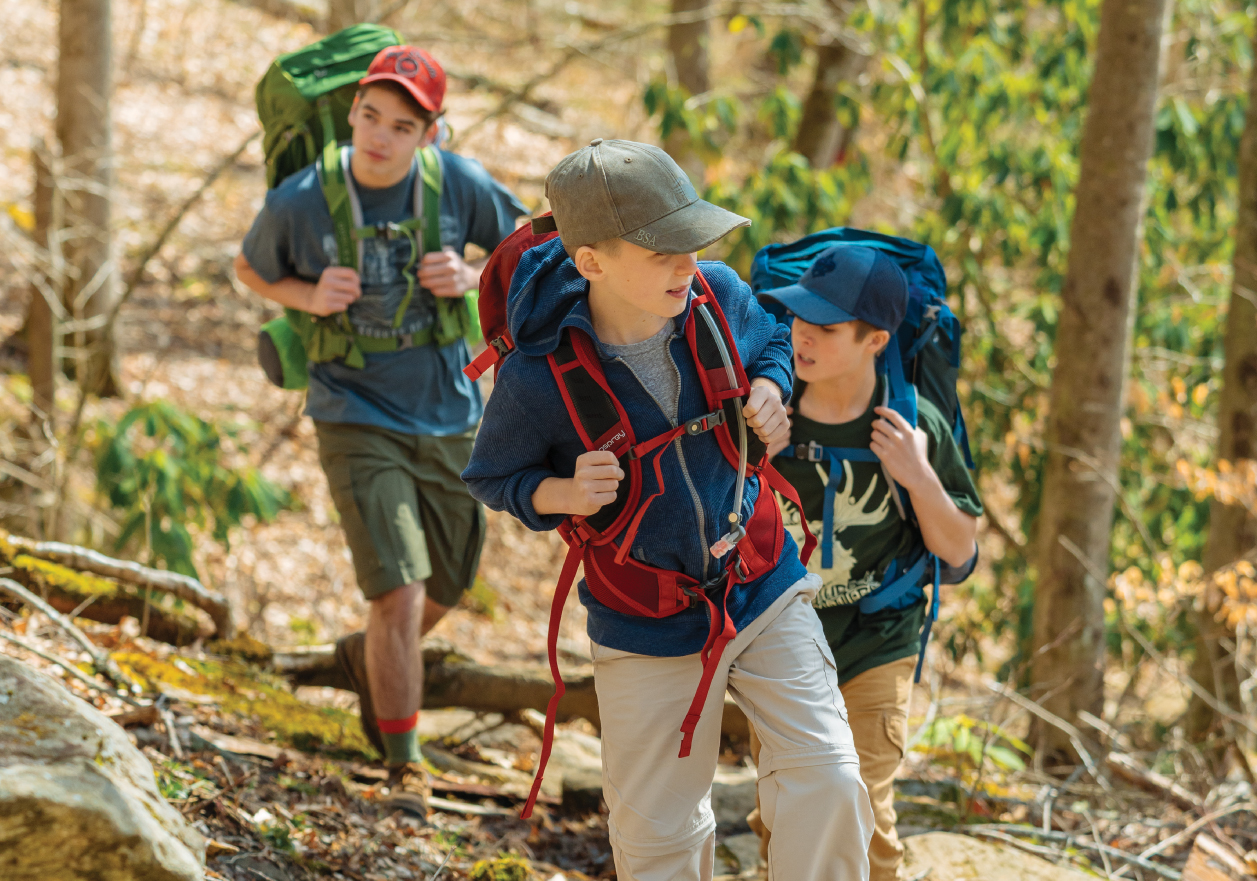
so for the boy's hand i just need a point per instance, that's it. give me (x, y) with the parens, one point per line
(597, 478)
(904, 450)
(446, 274)
(778, 445)
(765, 413)
(338, 287)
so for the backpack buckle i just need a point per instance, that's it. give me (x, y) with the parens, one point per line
(702, 592)
(502, 345)
(809, 452)
(706, 422)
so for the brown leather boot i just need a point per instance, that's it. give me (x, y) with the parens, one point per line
(351, 655)
(408, 790)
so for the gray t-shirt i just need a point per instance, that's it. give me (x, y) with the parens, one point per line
(652, 364)
(417, 391)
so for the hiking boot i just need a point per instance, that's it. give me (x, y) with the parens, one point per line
(351, 655)
(408, 790)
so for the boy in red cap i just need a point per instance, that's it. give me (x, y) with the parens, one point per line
(395, 433)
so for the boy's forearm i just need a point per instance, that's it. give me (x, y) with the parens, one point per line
(291, 292)
(552, 496)
(948, 532)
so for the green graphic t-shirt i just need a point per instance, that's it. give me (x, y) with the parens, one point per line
(868, 533)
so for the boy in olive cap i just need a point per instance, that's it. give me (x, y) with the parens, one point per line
(620, 295)
(845, 309)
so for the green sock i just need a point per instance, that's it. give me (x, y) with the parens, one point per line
(402, 747)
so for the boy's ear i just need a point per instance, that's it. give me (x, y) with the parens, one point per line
(878, 340)
(429, 135)
(353, 109)
(587, 264)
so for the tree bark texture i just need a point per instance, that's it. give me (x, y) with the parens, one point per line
(84, 88)
(41, 341)
(1232, 532)
(343, 13)
(687, 47)
(1088, 383)
(821, 136)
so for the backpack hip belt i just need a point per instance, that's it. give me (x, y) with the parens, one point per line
(616, 579)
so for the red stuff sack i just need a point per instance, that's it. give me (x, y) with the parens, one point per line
(495, 284)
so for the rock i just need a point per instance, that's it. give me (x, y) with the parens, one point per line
(733, 797)
(952, 857)
(77, 800)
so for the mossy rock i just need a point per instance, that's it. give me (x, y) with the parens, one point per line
(244, 647)
(505, 868)
(243, 690)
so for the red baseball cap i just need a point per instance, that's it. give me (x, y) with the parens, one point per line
(415, 69)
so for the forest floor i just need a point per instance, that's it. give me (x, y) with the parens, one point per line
(291, 804)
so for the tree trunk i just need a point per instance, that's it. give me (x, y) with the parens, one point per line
(1232, 532)
(343, 13)
(821, 137)
(687, 46)
(84, 87)
(1088, 383)
(41, 341)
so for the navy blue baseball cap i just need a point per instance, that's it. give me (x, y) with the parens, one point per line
(848, 283)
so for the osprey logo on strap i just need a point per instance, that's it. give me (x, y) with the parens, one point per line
(611, 443)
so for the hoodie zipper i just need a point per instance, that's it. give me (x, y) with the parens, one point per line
(685, 471)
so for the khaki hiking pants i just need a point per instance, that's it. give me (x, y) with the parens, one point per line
(781, 673)
(877, 707)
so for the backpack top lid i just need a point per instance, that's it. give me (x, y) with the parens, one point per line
(779, 265)
(495, 285)
(289, 95)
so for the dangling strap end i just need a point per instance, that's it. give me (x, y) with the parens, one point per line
(687, 734)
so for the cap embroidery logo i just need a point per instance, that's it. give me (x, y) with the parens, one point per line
(823, 266)
(645, 238)
(406, 65)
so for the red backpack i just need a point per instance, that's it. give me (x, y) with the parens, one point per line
(495, 284)
(612, 575)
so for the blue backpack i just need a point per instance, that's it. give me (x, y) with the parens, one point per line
(922, 358)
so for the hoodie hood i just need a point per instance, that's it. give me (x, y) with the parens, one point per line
(546, 295)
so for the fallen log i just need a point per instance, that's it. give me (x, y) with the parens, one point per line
(451, 680)
(182, 587)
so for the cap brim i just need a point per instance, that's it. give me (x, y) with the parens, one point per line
(686, 230)
(424, 101)
(812, 308)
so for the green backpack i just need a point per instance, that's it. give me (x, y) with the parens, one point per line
(311, 91)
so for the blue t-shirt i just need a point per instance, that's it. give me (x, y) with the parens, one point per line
(420, 390)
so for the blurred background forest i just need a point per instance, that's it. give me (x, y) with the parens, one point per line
(1118, 545)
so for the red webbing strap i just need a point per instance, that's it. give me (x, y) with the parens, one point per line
(717, 639)
(568, 575)
(481, 363)
(659, 443)
(778, 483)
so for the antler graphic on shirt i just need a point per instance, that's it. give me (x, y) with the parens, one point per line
(848, 511)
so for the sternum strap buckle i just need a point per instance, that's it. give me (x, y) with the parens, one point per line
(706, 422)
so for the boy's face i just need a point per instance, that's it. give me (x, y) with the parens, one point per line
(386, 135)
(655, 283)
(831, 351)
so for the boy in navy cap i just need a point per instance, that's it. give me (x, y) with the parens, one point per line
(845, 310)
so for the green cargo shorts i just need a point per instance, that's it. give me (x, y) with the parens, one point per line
(406, 513)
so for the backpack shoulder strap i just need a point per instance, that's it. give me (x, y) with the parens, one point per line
(599, 419)
(715, 379)
(428, 195)
(341, 202)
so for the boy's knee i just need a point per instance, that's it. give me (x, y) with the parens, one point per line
(398, 606)
(788, 793)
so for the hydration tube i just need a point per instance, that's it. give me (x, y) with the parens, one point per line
(736, 530)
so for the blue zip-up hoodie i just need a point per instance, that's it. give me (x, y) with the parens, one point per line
(527, 436)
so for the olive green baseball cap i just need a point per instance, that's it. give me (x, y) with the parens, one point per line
(635, 192)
